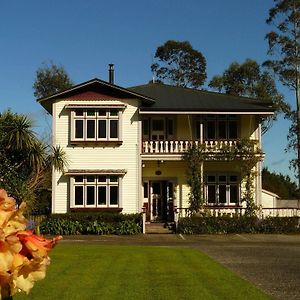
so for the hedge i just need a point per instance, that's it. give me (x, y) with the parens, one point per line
(91, 223)
(237, 224)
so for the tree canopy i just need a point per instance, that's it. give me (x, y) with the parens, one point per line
(282, 185)
(249, 80)
(51, 79)
(284, 49)
(25, 159)
(177, 63)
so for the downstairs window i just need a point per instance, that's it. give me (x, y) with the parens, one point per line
(95, 191)
(222, 189)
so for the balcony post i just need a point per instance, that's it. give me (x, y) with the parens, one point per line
(201, 132)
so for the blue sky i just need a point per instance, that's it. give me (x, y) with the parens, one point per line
(85, 36)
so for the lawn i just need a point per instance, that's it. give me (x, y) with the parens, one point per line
(91, 271)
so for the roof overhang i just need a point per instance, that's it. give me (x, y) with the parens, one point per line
(96, 172)
(194, 112)
(115, 91)
(95, 106)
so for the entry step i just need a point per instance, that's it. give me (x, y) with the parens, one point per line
(159, 228)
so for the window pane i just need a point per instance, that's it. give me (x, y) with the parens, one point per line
(78, 129)
(102, 178)
(145, 189)
(233, 178)
(113, 195)
(211, 194)
(113, 113)
(113, 128)
(78, 178)
(79, 112)
(232, 130)
(78, 195)
(101, 195)
(101, 129)
(170, 127)
(90, 129)
(222, 178)
(222, 130)
(158, 125)
(222, 193)
(90, 112)
(146, 127)
(211, 130)
(211, 178)
(90, 178)
(90, 195)
(234, 194)
(101, 113)
(113, 179)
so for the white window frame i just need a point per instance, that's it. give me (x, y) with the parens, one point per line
(108, 117)
(228, 184)
(96, 183)
(216, 119)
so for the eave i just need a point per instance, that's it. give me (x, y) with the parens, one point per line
(115, 91)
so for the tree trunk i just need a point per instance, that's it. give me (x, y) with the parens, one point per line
(298, 126)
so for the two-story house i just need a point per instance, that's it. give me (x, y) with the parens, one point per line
(125, 145)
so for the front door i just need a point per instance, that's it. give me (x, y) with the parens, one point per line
(161, 201)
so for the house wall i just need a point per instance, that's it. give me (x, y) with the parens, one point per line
(176, 171)
(170, 170)
(125, 156)
(268, 200)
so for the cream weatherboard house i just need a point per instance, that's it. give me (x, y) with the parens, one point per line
(125, 145)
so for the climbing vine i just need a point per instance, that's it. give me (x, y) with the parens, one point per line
(194, 159)
(245, 151)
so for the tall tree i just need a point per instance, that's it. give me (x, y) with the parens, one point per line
(178, 63)
(51, 79)
(284, 48)
(249, 80)
(25, 160)
(280, 184)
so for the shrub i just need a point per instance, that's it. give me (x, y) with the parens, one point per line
(91, 223)
(237, 224)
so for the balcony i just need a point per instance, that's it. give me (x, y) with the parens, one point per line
(179, 147)
(212, 149)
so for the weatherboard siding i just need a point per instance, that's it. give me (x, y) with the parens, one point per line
(123, 156)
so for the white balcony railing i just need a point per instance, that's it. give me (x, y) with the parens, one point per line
(233, 211)
(182, 146)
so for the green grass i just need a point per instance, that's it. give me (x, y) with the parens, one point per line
(90, 271)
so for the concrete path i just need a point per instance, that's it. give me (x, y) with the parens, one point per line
(271, 262)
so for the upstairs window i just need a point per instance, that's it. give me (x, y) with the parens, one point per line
(218, 127)
(96, 125)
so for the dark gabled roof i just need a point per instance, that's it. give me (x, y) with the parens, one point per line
(173, 98)
(95, 85)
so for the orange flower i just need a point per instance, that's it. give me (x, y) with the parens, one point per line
(35, 246)
(23, 255)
